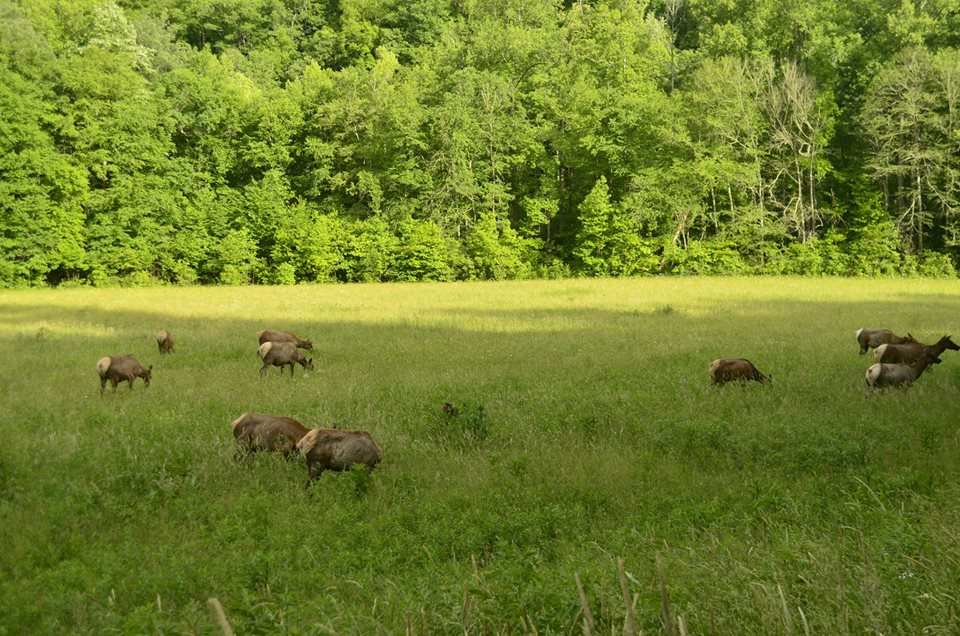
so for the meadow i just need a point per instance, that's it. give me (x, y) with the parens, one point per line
(588, 433)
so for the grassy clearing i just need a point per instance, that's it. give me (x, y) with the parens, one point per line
(588, 432)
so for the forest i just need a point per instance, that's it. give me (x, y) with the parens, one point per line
(284, 141)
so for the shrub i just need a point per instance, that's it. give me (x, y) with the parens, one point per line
(875, 250)
(704, 257)
(368, 251)
(495, 251)
(421, 253)
(930, 264)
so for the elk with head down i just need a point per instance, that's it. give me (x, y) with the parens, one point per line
(882, 375)
(725, 370)
(283, 336)
(259, 432)
(119, 369)
(165, 341)
(909, 352)
(281, 354)
(333, 449)
(873, 338)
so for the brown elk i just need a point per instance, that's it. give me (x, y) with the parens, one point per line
(119, 369)
(259, 432)
(281, 354)
(725, 370)
(333, 449)
(283, 336)
(873, 338)
(882, 375)
(165, 341)
(909, 352)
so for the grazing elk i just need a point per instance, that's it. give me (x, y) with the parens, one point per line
(165, 341)
(259, 432)
(726, 370)
(118, 369)
(333, 449)
(882, 375)
(873, 338)
(283, 336)
(281, 354)
(909, 352)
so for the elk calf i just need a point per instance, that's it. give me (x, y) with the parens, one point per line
(725, 370)
(165, 341)
(118, 369)
(259, 432)
(333, 449)
(281, 354)
(283, 336)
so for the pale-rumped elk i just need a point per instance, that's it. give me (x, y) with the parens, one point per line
(909, 352)
(165, 341)
(726, 370)
(333, 449)
(873, 338)
(283, 336)
(281, 354)
(259, 432)
(119, 369)
(882, 375)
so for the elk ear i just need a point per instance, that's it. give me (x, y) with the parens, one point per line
(150, 368)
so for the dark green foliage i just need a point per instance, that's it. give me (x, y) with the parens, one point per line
(502, 140)
(462, 426)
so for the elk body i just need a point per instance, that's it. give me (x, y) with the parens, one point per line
(910, 352)
(725, 370)
(873, 338)
(283, 336)
(882, 375)
(259, 432)
(333, 449)
(119, 369)
(281, 354)
(165, 341)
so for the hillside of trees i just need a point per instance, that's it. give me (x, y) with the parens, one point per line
(282, 141)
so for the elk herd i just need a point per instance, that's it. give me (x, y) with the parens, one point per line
(900, 360)
(322, 448)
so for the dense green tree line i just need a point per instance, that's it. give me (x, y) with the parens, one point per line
(360, 140)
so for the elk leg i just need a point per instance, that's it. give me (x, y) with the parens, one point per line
(314, 469)
(264, 368)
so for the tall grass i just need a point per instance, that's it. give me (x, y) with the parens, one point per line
(586, 432)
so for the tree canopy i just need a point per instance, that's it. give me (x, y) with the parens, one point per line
(282, 141)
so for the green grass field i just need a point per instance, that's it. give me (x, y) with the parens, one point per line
(588, 432)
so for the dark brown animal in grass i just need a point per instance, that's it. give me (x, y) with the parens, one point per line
(283, 336)
(333, 449)
(281, 354)
(726, 370)
(259, 432)
(910, 352)
(119, 369)
(873, 338)
(165, 341)
(882, 375)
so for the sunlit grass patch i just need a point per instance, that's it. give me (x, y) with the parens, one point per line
(585, 429)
